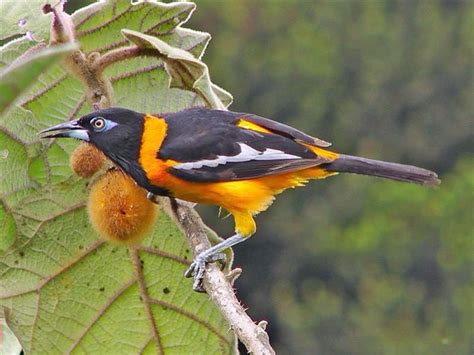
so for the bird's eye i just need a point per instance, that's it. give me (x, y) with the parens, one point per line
(98, 123)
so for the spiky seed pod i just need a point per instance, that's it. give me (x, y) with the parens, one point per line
(119, 210)
(86, 160)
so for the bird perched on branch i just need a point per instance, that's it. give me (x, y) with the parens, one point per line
(237, 161)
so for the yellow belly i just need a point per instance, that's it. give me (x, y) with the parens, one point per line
(244, 198)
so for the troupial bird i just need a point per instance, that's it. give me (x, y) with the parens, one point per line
(237, 161)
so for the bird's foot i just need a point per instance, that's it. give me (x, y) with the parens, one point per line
(198, 268)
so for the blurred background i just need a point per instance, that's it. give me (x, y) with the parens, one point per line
(357, 265)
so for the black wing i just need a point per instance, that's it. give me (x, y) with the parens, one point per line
(284, 130)
(243, 171)
(210, 147)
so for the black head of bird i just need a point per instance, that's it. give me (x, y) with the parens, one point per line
(107, 129)
(116, 132)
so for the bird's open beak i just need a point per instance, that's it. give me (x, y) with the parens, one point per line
(67, 129)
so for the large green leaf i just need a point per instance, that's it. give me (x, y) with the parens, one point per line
(20, 17)
(185, 71)
(19, 76)
(64, 289)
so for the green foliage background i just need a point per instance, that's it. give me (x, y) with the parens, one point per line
(352, 264)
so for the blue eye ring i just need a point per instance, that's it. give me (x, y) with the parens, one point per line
(98, 123)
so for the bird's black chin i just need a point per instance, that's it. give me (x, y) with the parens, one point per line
(70, 129)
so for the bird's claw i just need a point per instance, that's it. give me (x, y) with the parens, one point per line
(198, 268)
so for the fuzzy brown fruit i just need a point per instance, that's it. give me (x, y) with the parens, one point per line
(86, 160)
(119, 210)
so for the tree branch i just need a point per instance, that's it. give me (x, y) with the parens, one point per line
(216, 284)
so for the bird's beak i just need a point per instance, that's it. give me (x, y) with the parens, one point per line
(70, 129)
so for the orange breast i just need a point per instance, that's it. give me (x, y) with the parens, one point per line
(154, 133)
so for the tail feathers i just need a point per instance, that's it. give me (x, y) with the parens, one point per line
(393, 171)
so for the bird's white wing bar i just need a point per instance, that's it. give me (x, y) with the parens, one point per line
(247, 153)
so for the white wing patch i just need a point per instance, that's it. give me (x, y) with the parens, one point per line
(247, 153)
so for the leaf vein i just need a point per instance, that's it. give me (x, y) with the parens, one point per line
(145, 345)
(163, 254)
(135, 258)
(42, 222)
(147, 31)
(44, 90)
(139, 71)
(63, 269)
(100, 313)
(103, 25)
(190, 316)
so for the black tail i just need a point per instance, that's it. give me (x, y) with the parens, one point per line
(394, 171)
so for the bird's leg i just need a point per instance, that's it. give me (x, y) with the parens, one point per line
(198, 266)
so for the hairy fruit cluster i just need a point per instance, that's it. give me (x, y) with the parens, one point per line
(86, 160)
(119, 209)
